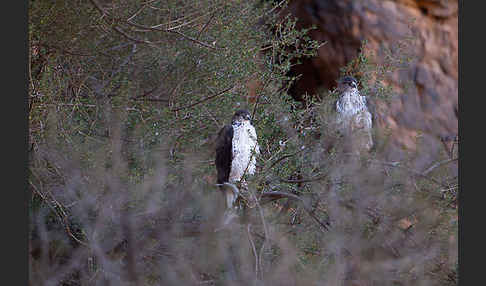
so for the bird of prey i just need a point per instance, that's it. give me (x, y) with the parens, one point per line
(236, 148)
(353, 117)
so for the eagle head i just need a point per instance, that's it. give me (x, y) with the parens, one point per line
(347, 82)
(241, 116)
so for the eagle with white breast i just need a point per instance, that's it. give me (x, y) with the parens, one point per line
(353, 117)
(236, 150)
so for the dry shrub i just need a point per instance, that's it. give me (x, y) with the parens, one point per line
(123, 190)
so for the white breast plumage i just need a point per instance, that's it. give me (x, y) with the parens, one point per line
(354, 118)
(352, 110)
(244, 143)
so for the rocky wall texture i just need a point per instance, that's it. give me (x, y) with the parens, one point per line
(428, 108)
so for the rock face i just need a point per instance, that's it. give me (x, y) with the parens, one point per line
(429, 106)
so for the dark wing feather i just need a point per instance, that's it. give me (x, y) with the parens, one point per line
(224, 153)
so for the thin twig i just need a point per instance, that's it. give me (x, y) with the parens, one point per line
(275, 195)
(265, 228)
(304, 180)
(205, 25)
(121, 32)
(312, 215)
(398, 165)
(254, 250)
(279, 195)
(185, 23)
(98, 6)
(258, 98)
(282, 158)
(214, 47)
(145, 93)
(57, 48)
(175, 32)
(212, 117)
(131, 23)
(181, 19)
(438, 164)
(140, 10)
(59, 211)
(203, 100)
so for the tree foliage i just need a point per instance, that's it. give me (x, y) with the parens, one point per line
(125, 100)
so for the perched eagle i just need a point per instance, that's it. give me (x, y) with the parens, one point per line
(236, 147)
(353, 117)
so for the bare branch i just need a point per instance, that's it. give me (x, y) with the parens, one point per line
(279, 195)
(312, 215)
(145, 93)
(253, 249)
(151, 99)
(265, 228)
(154, 28)
(140, 10)
(304, 180)
(175, 32)
(98, 6)
(438, 164)
(203, 100)
(120, 31)
(195, 40)
(275, 195)
(415, 172)
(206, 25)
(282, 158)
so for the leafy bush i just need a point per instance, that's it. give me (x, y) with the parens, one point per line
(125, 100)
